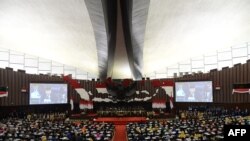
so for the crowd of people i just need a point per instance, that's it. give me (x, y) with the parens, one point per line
(47, 129)
(195, 123)
(206, 126)
(208, 112)
(122, 111)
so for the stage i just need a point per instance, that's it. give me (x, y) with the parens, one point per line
(121, 120)
(116, 119)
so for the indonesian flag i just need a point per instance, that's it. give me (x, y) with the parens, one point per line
(83, 93)
(3, 91)
(90, 105)
(76, 85)
(242, 90)
(84, 104)
(101, 88)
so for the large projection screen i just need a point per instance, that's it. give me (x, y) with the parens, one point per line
(194, 91)
(48, 93)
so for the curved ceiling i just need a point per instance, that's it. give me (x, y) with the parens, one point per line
(141, 37)
(59, 30)
(180, 29)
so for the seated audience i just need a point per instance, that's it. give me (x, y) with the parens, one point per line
(194, 124)
(53, 129)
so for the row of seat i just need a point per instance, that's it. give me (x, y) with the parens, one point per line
(44, 129)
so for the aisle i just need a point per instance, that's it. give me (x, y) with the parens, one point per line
(120, 125)
(120, 133)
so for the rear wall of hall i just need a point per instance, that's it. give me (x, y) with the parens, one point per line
(224, 78)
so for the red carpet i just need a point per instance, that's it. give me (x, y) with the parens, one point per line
(121, 120)
(120, 125)
(120, 133)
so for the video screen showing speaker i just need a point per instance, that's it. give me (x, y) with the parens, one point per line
(48, 93)
(194, 91)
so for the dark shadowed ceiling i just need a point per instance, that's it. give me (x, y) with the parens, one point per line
(122, 39)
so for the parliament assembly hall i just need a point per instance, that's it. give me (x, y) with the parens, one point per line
(124, 70)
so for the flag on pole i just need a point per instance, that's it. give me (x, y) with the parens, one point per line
(76, 85)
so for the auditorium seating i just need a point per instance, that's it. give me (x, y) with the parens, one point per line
(203, 128)
(51, 130)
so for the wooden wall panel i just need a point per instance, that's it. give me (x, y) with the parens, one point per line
(10, 86)
(223, 81)
(14, 85)
(214, 78)
(227, 84)
(230, 85)
(234, 96)
(1, 82)
(26, 81)
(244, 80)
(237, 80)
(23, 85)
(16, 81)
(219, 94)
(18, 88)
(248, 69)
(224, 94)
(240, 80)
(5, 83)
(248, 77)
